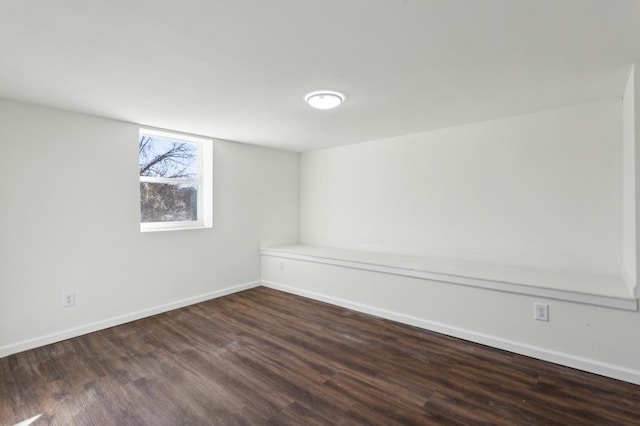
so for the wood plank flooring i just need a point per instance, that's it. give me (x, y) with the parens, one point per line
(269, 358)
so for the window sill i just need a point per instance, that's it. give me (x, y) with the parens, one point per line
(601, 290)
(171, 226)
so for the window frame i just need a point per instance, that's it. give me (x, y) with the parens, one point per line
(202, 182)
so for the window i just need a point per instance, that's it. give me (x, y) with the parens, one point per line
(175, 181)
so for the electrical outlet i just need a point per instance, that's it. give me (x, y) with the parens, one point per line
(281, 265)
(68, 298)
(541, 311)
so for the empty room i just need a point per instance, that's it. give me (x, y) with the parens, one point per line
(297, 212)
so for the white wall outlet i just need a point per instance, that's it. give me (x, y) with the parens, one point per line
(68, 298)
(281, 265)
(541, 311)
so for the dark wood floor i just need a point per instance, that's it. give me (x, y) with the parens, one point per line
(266, 357)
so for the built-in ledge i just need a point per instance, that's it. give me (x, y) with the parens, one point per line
(594, 289)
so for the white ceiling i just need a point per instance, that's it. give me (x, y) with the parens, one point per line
(239, 69)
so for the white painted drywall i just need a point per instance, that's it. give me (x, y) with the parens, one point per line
(543, 190)
(629, 181)
(69, 220)
(540, 190)
(636, 149)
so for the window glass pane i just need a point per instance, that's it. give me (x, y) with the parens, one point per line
(162, 157)
(162, 202)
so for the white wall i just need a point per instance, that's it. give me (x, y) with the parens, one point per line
(629, 180)
(539, 190)
(70, 221)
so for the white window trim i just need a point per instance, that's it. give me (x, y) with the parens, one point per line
(204, 184)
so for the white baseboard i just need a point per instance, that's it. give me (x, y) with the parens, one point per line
(122, 319)
(568, 360)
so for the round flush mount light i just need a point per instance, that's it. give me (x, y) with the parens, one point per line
(324, 99)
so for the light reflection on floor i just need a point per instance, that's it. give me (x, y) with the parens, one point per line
(28, 421)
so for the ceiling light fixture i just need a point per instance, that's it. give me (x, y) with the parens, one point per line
(324, 99)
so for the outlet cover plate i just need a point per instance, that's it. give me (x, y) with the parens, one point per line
(68, 298)
(541, 311)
